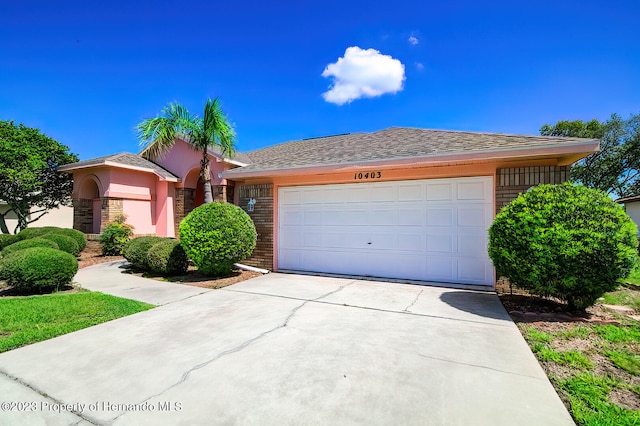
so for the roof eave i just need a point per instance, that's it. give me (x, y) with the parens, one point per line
(68, 169)
(567, 154)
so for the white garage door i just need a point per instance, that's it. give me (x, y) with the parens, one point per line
(433, 230)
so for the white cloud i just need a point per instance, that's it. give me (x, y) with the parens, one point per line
(363, 74)
(419, 66)
(413, 40)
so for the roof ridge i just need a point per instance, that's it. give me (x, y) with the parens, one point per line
(484, 133)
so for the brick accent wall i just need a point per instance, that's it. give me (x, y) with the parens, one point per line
(111, 208)
(513, 181)
(83, 215)
(262, 217)
(185, 202)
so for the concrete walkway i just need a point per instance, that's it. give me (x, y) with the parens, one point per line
(284, 349)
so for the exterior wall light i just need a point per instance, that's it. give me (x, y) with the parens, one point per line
(252, 202)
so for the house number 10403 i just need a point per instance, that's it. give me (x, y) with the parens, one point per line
(367, 175)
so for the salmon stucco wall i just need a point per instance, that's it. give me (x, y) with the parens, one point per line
(183, 161)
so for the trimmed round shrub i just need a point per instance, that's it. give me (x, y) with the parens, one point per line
(27, 233)
(216, 235)
(8, 239)
(31, 242)
(115, 236)
(565, 241)
(135, 251)
(38, 269)
(66, 244)
(167, 257)
(78, 236)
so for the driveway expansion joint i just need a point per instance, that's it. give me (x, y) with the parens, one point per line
(246, 343)
(46, 396)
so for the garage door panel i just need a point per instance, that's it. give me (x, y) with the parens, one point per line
(411, 217)
(440, 268)
(440, 216)
(415, 242)
(411, 192)
(472, 191)
(472, 270)
(313, 218)
(440, 243)
(442, 191)
(471, 244)
(472, 217)
(384, 194)
(432, 230)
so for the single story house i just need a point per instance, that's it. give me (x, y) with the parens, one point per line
(401, 203)
(632, 207)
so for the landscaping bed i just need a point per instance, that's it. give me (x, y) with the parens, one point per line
(591, 358)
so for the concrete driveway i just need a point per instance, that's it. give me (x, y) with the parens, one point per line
(285, 349)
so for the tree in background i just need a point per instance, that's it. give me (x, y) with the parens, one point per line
(157, 135)
(615, 169)
(28, 175)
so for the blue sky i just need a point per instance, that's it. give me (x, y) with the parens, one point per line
(86, 72)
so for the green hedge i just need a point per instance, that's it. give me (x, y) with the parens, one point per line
(167, 257)
(31, 242)
(78, 236)
(38, 269)
(565, 241)
(135, 251)
(216, 235)
(8, 239)
(66, 244)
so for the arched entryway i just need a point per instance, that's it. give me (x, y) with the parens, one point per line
(87, 215)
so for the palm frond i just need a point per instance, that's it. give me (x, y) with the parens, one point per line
(157, 135)
(216, 129)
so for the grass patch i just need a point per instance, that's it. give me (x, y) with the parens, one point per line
(621, 334)
(26, 320)
(533, 335)
(634, 277)
(628, 362)
(588, 394)
(623, 297)
(571, 358)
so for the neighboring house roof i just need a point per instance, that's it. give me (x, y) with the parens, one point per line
(407, 146)
(625, 200)
(124, 160)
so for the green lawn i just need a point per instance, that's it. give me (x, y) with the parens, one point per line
(595, 368)
(25, 320)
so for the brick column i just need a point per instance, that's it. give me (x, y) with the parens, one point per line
(262, 216)
(185, 202)
(513, 181)
(111, 209)
(83, 215)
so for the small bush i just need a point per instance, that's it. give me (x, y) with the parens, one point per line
(167, 257)
(78, 236)
(31, 242)
(216, 235)
(66, 244)
(565, 241)
(38, 269)
(28, 233)
(135, 251)
(8, 239)
(115, 236)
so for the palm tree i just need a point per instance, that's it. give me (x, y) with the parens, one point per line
(157, 135)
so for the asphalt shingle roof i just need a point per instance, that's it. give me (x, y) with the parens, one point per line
(392, 143)
(126, 159)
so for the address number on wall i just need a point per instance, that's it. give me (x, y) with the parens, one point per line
(367, 175)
